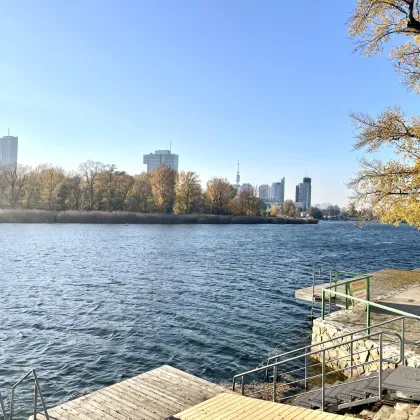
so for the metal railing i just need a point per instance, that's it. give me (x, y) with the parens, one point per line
(351, 335)
(321, 353)
(368, 304)
(37, 393)
(336, 278)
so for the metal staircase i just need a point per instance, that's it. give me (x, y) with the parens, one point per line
(37, 394)
(295, 378)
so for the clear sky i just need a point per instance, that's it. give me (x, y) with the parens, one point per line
(268, 82)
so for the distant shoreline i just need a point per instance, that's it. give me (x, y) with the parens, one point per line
(93, 217)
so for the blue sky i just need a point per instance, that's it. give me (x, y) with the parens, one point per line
(268, 82)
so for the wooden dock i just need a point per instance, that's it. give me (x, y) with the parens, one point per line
(236, 407)
(168, 393)
(154, 395)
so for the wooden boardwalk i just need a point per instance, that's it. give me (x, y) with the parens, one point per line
(154, 395)
(236, 407)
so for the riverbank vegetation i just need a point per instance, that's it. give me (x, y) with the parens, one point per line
(106, 217)
(390, 188)
(99, 187)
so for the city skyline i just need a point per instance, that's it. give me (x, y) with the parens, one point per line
(215, 90)
(9, 147)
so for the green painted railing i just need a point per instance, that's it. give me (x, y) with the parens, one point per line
(368, 304)
(337, 276)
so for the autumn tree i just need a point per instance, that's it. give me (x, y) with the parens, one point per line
(218, 195)
(163, 180)
(50, 178)
(288, 208)
(274, 211)
(113, 188)
(13, 179)
(391, 189)
(70, 192)
(248, 204)
(90, 171)
(140, 195)
(188, 193)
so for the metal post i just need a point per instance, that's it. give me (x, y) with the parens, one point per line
(306, 370)
(351, 356)
(368, 318)
(275, 383)
(380, 367)
(329, 295)
(35, 400)
(323, 382)
(41, 397)
(233, 385)
(323, 304)
(313, 292)
(3, 409)
(403, 340)
(242, 385)
(12, 397)
(347, 292)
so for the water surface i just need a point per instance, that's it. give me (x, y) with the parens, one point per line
(90, 305)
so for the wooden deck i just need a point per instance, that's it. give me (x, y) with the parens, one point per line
(236, 407)
(154, 395)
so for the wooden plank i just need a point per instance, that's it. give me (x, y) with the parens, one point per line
(238, 407)
(154, 395)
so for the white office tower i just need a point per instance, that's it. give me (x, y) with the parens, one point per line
(160, 157)
(264, 192)
(277, 191)
(8, 150)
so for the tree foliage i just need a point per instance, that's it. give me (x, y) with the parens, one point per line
(219, 194)
(188, 193)
(390, 189)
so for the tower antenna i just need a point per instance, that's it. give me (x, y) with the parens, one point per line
(238, 177)
(8, 131)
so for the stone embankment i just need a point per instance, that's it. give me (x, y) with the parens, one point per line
(364, 350)
(35, 216)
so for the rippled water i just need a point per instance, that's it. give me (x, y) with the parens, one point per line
(89, 305)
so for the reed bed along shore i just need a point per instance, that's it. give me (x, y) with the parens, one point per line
(99, 217)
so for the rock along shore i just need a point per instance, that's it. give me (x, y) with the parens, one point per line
(36, 216)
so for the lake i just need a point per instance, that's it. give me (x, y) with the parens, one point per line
(90, 305)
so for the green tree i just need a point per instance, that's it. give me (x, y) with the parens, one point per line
(316, 213)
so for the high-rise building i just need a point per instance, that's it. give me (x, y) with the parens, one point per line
(8, 150)
(160, 157)
(277, 191)
(246, 187)
(303, 193)
(264, 192)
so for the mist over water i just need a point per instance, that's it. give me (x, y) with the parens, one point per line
(90, 305)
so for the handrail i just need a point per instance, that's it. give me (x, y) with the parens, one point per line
(323, 351)
(261, 368)
(368, 304)
(335, 338)
(37, 391)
